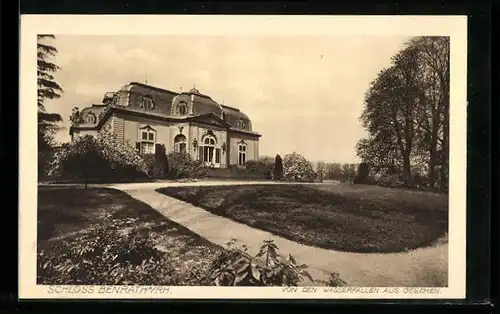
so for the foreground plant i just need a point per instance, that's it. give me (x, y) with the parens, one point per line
(106, 255)
(334, 280)
(267, 268)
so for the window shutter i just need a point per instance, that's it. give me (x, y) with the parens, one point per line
(217, 155)
(158, 148)
(138, 146)
(200, 149)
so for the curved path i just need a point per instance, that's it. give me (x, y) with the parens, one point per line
(424, 267)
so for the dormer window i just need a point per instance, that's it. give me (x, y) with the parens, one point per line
(181, 109)
(91, 118)
(109, 98)
(241, 124)
(146, 102)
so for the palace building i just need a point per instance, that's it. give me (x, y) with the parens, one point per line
(146, 116)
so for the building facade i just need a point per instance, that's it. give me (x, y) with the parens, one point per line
(146, 116)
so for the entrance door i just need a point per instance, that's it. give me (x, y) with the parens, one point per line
(210, 154)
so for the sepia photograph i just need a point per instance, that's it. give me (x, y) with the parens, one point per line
(314, 164)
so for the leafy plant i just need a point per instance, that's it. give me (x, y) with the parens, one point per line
(297, 168)
(236, 267)
(334, 280)
(101, 158)
(106, 255)
(182, 165)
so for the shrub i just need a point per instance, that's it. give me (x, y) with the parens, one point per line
(348, 172)
(264, 168)
(235, 267)
(297, 168)
(149, 160)
(44, 160)
(106, 255)
(255, 166)
(122, 156)
(362, 175)
(157, 164)
(269, 162)
(182, 165)
(101, 158)
(160, 169)
(278, 168)
(333, 171)
(391, 180)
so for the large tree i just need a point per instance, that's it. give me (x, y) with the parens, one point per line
(433, 112)
(48, 88)
(407, 111)
(390, 105)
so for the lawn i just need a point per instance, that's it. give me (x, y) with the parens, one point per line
(75, 220)
(354, 218)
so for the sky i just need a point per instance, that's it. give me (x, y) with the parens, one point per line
(304, 94)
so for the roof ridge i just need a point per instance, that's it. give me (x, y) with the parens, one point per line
(153, 87)
(229, 107)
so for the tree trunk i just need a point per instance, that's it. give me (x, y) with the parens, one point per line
(433, 160)
(402, 148)
(431, 177)
(407, 170)
(408, 145)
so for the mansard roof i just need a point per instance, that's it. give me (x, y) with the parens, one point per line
(163, 100)
(233, 115)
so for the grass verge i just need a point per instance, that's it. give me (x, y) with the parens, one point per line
(340, 217)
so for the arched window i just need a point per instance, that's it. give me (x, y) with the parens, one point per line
(209, 141)
(181, 109)
(91, 118)
(242, 154)
(180, 143)
(209, 153)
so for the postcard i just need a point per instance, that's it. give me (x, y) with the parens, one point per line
(242, 157)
